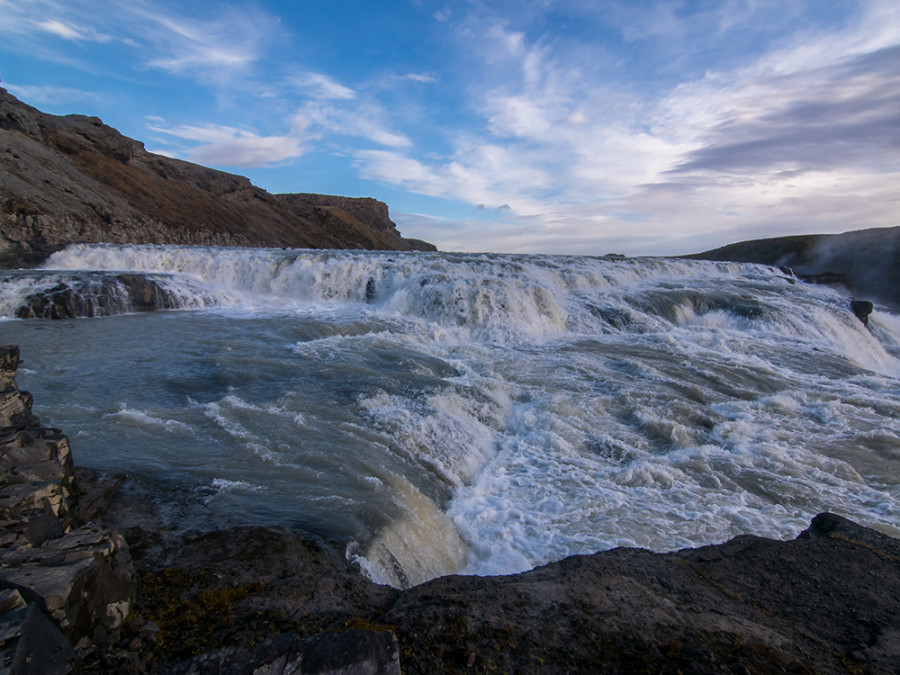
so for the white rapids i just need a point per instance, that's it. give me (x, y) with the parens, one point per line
(483, 414)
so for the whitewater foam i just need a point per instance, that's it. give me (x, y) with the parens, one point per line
(484, 414)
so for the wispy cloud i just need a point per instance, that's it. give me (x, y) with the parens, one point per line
(813, 120)
(760, 145)
(60, 29)
(547, 138)
(227, 146)
(42, 95)
(361, 120)
(319, 86)
(217, 45)
(225, 44)
(422, 78)
(566, 120)
(230, 147)
(481, 181)
(29, 23)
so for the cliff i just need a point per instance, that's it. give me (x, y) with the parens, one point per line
(867, 262)
(73, 179)
(75, 597)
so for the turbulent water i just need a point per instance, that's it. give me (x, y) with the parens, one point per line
(483, 414)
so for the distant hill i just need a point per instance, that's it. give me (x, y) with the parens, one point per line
(867, 262)
(74, 179)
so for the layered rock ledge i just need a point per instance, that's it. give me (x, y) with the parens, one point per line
(275, 600)
(63, 582)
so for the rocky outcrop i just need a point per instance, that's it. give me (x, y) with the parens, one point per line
(253, 600)
(73, 179)
(62, 581)
(31, 642)
(275, 600)
(862, 309)
(96, 294)
(867, 262)
(750, 605)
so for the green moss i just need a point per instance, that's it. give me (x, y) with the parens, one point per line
(189, 610)
(357, 623)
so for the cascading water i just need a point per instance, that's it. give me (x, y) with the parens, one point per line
(482, 414)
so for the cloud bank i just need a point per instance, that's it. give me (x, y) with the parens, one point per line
(565, 126)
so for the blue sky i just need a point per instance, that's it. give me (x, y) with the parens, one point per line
(549, 126)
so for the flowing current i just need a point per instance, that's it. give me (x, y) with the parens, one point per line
(481, 414)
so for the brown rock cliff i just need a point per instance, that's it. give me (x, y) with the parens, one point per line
(74, 179)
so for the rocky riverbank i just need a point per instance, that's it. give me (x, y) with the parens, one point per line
(65, 582)
(275, 600)
(865, 262)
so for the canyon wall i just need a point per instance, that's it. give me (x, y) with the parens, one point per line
(73, 179)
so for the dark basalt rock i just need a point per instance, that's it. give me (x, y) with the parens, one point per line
(97, 294)
(30, 642)
(363, 651)
(862, 309)
(64, 580)
(826, 602)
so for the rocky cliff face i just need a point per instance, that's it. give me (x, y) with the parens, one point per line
(73, 179)
(867, 262)
(62, 580)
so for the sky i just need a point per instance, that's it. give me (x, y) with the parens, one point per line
(528, 126)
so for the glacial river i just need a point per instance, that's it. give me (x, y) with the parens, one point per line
(483, 414)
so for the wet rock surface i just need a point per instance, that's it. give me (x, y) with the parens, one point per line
(862, 309)
(97, 294)
(276, 600)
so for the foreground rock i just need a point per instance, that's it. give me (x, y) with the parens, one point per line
(62, 582)
(273, 600)
(73, 179)
(816, 604)
(258, 600)
(867, 262)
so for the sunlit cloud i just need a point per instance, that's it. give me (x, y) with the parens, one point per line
(735, 149)
(846, 113)
(482, 182)
(60, 29)
(225, 44)
(230, 147)
(685, 124)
